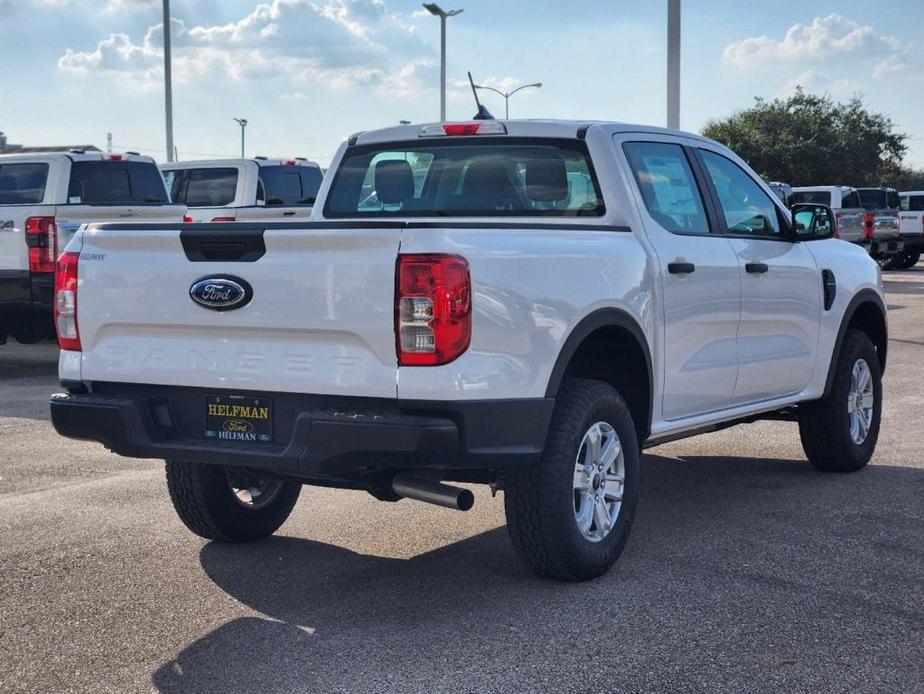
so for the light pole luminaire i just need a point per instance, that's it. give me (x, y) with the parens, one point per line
(243, 123)
(438, 11)
(507, 95)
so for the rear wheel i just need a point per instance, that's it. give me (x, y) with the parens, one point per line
(569, 516)
(839, 432)
(908, 260)
(229, 504)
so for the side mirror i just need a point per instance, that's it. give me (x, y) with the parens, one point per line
(812, 221)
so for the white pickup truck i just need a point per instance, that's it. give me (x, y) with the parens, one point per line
(244, 190)
(44, 198)
(911, 224)
(474, 321)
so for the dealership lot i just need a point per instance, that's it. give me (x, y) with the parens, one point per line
(746, 570)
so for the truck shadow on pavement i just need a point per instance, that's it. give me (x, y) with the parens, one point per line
(757, 571)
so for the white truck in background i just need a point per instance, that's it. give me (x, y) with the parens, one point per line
(244, 190)
(44, 199)
(911, 224)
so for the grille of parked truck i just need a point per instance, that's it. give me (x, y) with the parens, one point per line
(242, 190)
(524, 304)
(44, 198)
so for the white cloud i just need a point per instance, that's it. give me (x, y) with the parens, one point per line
(831, 38)
(342, 44)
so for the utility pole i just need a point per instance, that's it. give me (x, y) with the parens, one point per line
(438, 11)
(108, 143)
(243, 123)
(673, 64)
(168, 81)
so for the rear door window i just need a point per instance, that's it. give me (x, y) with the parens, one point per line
(206, 187)
(873, 199)
(290, 185)
(116, 183)
(666, 181)
(913, 203)
(851, 201)
(22, 184)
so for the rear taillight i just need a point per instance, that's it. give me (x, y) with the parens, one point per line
(433, 309)
(868, 225)
(223, 219)
(837, 225)
(187, 219)
(42, 239)
(66, 302)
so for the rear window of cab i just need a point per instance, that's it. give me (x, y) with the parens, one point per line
(22, 184)
(467, 177)
(116, 183)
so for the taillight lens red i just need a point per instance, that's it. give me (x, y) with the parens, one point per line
(837, 225)
(187, 219)
(66, 302)
(433, 309)
(868, 225)
(42, 239)
(223, 219)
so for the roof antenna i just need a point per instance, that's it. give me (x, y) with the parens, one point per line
(483, 113)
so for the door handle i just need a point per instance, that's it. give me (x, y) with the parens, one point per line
(288, 213)
(681, 268)
(756, 268)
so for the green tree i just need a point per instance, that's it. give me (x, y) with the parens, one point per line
(807, 139)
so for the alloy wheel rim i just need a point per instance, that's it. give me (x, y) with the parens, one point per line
(252, 491)
(599, 481)
(860, 401)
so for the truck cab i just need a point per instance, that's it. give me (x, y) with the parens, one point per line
(44, 199)
(240, 190)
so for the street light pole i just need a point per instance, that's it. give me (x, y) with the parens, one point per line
(438, 11)
(243, 123)
(673, 64)
(168, 82)
(507, 95)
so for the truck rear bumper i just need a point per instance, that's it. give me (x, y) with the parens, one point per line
(314, 437)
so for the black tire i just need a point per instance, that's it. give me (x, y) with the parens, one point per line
(824, 425)
(908, 260)
(540, 500)
(203, 500)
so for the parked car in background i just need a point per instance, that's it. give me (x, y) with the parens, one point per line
(44, 198)
(911, 225)
(883, 204)
(240, 190)
(483, 320)
(854, 222)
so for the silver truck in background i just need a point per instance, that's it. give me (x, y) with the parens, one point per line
(44, 199)
(244, 190)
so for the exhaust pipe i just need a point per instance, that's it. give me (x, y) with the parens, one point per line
(433, 492)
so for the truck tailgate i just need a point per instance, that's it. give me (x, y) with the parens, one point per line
(320, 319)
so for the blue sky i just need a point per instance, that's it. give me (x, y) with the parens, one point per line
(307, 73)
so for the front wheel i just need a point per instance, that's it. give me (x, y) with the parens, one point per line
(569, 516)
(839, 432)
(229, 504)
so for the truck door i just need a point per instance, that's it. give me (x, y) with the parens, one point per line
(700, 284)
(780, 286)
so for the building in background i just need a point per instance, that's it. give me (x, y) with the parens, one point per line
(7, 148)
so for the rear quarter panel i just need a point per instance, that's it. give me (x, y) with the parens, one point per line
(530, 288)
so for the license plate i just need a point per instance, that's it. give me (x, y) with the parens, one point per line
(239, 418)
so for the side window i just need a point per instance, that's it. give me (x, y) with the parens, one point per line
(747, 208)
(668, 187)
(916, 203)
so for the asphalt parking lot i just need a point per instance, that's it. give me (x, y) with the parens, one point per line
(746, 571)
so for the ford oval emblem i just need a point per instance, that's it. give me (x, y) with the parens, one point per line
(221, 293)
